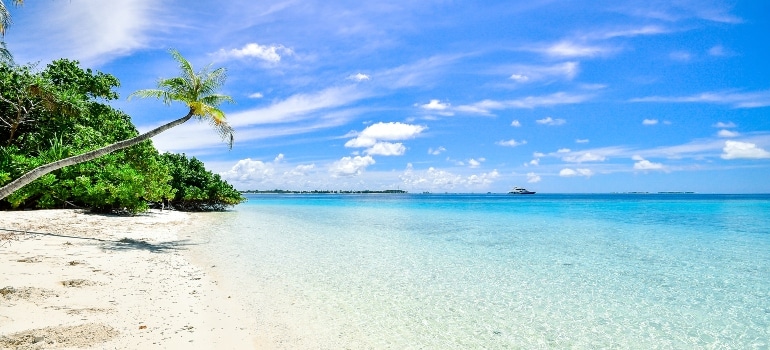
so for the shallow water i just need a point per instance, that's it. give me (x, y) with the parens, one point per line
(500, 271)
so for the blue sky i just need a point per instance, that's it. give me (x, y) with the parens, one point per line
(444, 96)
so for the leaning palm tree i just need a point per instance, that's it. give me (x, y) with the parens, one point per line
(198, 90)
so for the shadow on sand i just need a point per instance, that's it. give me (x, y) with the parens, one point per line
(122, 244)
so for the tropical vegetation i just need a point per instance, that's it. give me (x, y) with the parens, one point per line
(58, 119)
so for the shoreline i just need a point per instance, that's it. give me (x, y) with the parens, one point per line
(77, 280)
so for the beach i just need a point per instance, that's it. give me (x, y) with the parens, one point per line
(71, 279)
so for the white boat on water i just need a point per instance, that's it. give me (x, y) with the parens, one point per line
(519, 190)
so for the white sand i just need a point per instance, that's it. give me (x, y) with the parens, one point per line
(109, 282)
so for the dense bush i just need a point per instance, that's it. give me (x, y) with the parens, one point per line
(198, 189)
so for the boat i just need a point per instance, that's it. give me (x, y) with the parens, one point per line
(519, 190)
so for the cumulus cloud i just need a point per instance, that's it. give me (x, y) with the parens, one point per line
(511, 143)
(256, 95)
(433, 178)
(435, 105)
(521, 78)
(551, 121)
(350, 166)
(386, 149)
(727, 133)
(436, 151)
(535, 162)
(269, 53)
(743, 150)
(643, 164)
(650, 122)
(582, 141)
(475, 163)
(372, 135)
(584, 157)
(248, 169)
(569, 172)
(359, 77)
(516, 124)
(563, 150)
(533, 178)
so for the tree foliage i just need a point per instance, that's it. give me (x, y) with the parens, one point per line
(198, 189)
(62, 111)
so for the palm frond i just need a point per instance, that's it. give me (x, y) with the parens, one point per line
(199, 91)
(5, 55)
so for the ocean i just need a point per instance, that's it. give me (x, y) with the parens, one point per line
(496, 271)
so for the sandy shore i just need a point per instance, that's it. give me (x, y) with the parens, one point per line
(69, 279)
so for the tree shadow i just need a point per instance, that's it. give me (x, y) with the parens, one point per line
(125, 244)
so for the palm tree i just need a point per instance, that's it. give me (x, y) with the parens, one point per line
(196, 90)
(5, 21)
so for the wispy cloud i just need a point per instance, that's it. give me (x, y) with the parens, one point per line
(486, 107)
(531, 73)
(734, 99)
(103, 30)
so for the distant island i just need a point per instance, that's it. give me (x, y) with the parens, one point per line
(321, 192)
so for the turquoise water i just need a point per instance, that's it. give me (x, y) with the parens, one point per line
(500, 271)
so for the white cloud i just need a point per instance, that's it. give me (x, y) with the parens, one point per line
(535, 162)
(248, 170)
(682, 56)
(646, 30)
(723, 125)
(391, 131)
(718, 51)
(551, 121)
(568, 172)
(528, 74)
(473, 163)
(584, 157)
(256, 95)
(437, 179)
(533, 178)
(350, 166)
(520, 78)
(298, 107)
(743, 150)
(643, 164)
(436, 151)
(650, 122)
(516, 124)
(563, 150)
(270, 53)
(386, 149)
(736, 100)
(727, 133)
(572, 49)
(435, 105)
(300, 170)
(486, 107)
(359, 77)
(582, 141)
(511, 143)
(92, 32)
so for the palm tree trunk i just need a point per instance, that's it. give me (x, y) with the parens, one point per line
(38, 172)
